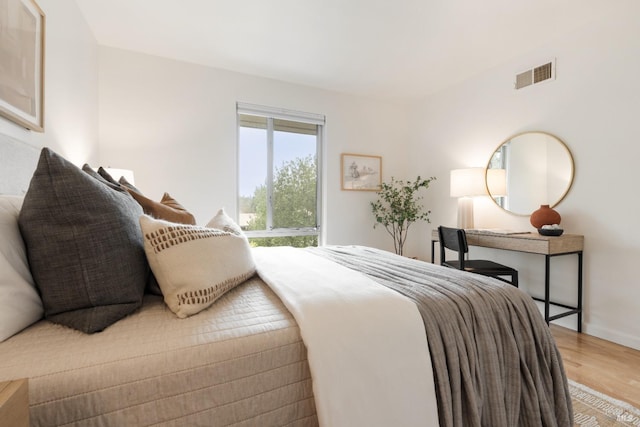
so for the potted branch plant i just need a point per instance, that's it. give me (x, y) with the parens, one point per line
(398, 207)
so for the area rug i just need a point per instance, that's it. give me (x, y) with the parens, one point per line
(592, 408)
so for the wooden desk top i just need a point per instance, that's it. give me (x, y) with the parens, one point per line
(524, 242)
(14, 403)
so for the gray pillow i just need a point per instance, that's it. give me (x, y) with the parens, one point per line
(84, 246)
(109, 183)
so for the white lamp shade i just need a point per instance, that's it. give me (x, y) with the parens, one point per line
(468, 182)
(497, 182)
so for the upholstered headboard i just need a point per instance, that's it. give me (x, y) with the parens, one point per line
(18, 160)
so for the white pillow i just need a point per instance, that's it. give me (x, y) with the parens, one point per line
(194, 265)
(20, 304)
(224, 222)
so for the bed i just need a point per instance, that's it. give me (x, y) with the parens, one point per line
(337, 335)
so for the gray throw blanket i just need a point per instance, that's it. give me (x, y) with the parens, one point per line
(494, 360)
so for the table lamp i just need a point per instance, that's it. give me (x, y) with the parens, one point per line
(466, 184)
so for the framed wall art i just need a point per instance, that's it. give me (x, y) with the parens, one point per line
(361, 172)
(22, 25)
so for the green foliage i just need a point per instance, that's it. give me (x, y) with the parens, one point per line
(295, 241)
(294, 204)
(246, 204)
(294, 194)
(259, 222)
(398, 207)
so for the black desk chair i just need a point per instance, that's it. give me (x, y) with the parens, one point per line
(455, 239)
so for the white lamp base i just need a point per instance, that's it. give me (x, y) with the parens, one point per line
(465, 212)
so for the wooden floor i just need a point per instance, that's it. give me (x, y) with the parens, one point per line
(601, 365)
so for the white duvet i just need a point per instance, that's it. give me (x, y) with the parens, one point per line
(366, 344)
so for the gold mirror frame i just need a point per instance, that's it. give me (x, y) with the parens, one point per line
(522, 206)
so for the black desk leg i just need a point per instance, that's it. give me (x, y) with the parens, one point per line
(547, 297)
(580, 291)
(577, 309)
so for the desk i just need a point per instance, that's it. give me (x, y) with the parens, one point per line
(14, 403)
(534, 243)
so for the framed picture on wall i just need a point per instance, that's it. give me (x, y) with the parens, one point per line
(22, 63)
(361, 172)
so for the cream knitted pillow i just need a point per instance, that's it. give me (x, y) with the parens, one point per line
(194, 265)
(224, 222)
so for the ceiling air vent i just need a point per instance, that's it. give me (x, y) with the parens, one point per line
(536, 75)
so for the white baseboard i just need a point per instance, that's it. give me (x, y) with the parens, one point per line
(611, 335)
(570, 322)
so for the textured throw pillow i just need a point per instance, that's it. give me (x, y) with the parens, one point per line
(107, 176)
(84, 246)
(108, 182)
(20, 304)
(103, 176)
(224, 222)
(194, 265)
(123, 181)
(168, 208)
(172, 203)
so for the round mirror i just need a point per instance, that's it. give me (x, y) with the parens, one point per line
(528, 170)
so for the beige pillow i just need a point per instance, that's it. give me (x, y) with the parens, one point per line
(168, 208)
(224, 222)
(194, 265)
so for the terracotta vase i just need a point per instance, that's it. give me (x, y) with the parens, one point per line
(544, 216)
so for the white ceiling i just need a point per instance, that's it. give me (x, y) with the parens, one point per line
(402, 49)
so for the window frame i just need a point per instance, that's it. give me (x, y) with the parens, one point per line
(271, 113)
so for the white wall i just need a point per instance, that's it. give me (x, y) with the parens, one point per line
(71, 86)
(174, 124)
(593, 106)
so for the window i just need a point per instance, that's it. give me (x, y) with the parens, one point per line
(279, 163)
